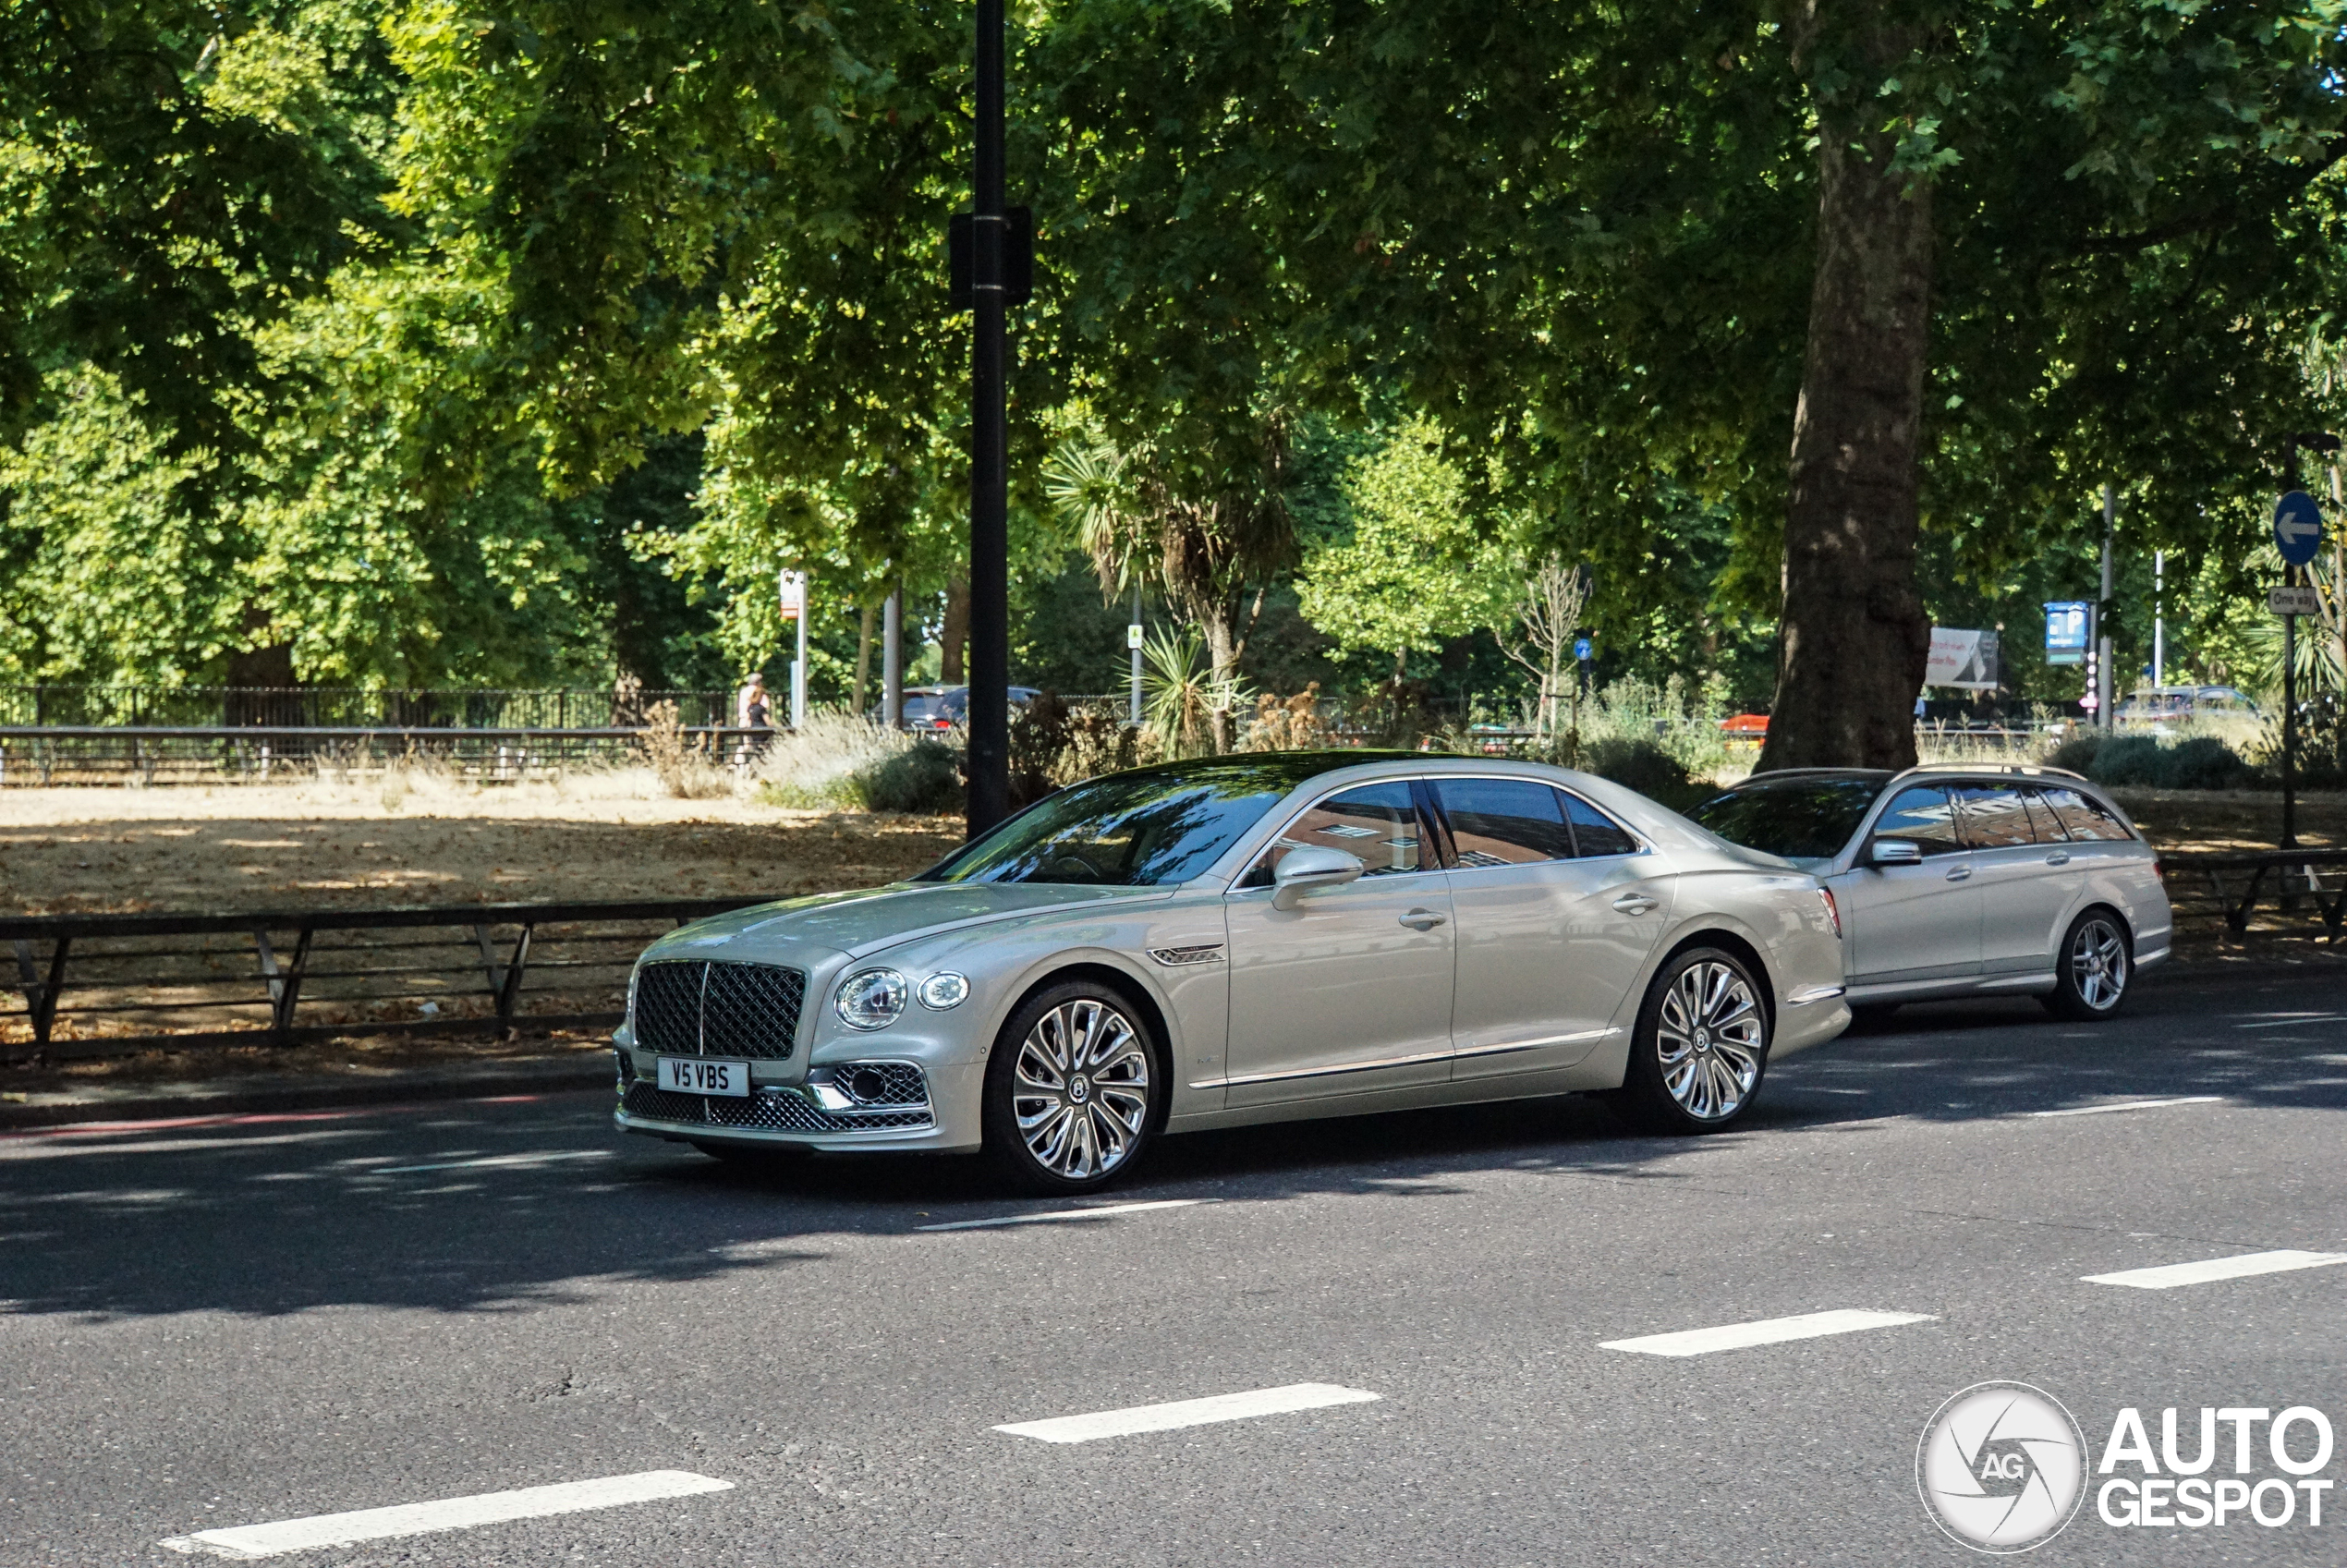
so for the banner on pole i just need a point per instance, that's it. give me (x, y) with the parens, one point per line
(1965, 659)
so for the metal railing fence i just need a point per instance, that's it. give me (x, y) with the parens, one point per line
(110, 985)
(66, 754)
(2228, 886)
(556, 708)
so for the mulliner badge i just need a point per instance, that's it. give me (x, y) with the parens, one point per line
(2001, 1467)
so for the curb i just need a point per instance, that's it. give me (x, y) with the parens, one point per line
(230, 1096)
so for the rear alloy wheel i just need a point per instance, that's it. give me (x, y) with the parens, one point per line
(2092, 968)
(1701, 1045)
(1072, 1089)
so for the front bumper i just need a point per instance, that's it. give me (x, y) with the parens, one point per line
(945, 1120)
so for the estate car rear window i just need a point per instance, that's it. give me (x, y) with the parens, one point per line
(1799, 819)
(2083, 817)
(1994, 817)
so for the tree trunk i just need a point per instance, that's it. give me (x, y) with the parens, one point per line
(863, 656)
(1854, 637)
(955, 635)
(1220, 624)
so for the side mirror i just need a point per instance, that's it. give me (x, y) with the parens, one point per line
(1308, 870)
(1894, 852)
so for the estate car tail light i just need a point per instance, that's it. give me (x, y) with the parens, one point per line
(1833, 910)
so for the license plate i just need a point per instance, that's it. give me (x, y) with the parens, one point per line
(701, 1074)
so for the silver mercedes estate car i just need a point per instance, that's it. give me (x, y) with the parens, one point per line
(1237, 939)
(1957, 880)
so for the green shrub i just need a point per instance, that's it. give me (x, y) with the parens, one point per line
(2125, 760)
(2140, 761)
(2076, 755)
(2205, 763)
(1645, 766)
(925, 776)
(816, 767)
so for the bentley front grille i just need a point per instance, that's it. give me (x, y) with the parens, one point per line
(703, 1008)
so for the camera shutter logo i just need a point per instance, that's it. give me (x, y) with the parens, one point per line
(2001, 1467)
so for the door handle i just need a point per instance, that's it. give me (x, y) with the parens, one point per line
(1635, 903)
(1422, 919)
(2059, 858)
(1958, 873)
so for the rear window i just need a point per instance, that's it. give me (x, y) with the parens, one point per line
(2083, 817)
(1799, 819)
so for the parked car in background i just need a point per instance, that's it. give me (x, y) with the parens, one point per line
(2170, 704)
(943, 707)
(1956, 881)
(1234, 939)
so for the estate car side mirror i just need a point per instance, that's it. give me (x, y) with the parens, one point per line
(1308, 870)
(1894, 852)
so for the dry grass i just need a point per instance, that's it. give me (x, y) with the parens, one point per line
(330, 842)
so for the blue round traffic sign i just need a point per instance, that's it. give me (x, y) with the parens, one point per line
(1581, 649)
(2298, 528)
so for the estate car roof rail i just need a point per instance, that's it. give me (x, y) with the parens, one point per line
(2019, 769)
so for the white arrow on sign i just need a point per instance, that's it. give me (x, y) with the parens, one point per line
(2293, 528)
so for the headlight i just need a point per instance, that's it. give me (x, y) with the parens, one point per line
(872, 998)
(944, 991)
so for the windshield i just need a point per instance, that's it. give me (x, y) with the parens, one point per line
(1799, 819)
(1152, 828)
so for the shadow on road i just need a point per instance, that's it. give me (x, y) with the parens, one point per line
(498, 1208)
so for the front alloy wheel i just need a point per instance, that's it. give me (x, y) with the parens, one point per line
(1701, 1044)
(2092, 970)
(1071, 1090)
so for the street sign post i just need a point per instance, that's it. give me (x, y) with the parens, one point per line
(792, 587)
(2066, 631)
(2298, 528)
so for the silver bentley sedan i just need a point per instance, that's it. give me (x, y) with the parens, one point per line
(1965, 879)
(1237, 939)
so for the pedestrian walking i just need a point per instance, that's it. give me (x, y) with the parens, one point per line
(750, 713)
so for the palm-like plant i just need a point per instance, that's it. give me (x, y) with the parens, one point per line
(1205, 553)
(1181, 696)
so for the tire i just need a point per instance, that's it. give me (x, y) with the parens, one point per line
(1073, 1090)
(2093, 968)
(1701, 1045)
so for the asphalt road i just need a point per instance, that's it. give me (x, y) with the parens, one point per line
(266, 1318)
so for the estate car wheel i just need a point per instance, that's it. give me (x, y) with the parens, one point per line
(1072, 1090)
(1700, 1047)
(2092, 968)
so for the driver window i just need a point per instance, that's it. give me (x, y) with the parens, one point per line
(1924, 815)
(1378, 822)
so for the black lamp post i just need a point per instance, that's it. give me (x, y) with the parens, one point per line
(990, 638)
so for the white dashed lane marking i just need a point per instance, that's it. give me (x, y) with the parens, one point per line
(2134, 1105)
(449, 1513)
(1768, 1330)
(2170, 1275)
(1057, 1214)
(542, 1157)
(1189, 1413)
